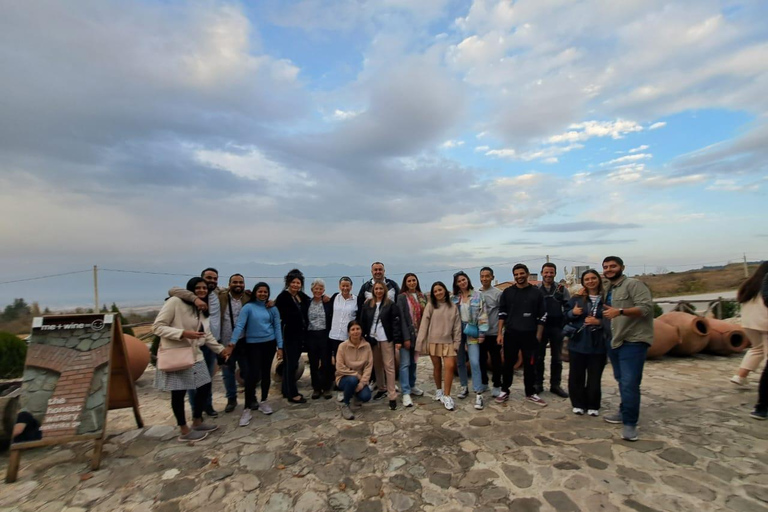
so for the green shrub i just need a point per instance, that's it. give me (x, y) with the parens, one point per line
(657, 311)
(13, 353)
(729, 309)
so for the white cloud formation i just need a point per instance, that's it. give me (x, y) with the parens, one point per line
(589, 129)
(642, 147)
(546, 153)
(343, 115)
(450, 144)
(628, 158)
(656, 126)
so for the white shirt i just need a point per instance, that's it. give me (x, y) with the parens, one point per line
(344, 311)
(214, 314)
(378, 329)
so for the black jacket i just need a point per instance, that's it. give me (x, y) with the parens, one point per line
(293, 316)
(556, 300)
(522, 309)
(587, 339)
(389, 316)
(368, 287)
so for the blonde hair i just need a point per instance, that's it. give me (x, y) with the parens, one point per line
(384, 301)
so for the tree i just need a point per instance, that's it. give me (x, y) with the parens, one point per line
(18, 309)
(123, 321)
(34, 310)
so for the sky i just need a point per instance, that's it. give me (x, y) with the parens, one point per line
(167, 136)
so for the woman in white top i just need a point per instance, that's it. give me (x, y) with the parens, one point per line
(344, 310)
(754, 320)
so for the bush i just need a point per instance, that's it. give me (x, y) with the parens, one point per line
(730, 309)
(657, 311)
(13, 353)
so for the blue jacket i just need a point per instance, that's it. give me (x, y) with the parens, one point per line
(586, 339)
(261, 324)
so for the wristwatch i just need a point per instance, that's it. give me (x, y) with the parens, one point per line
(621, 311)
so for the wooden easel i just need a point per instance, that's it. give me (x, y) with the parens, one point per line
(120, 394)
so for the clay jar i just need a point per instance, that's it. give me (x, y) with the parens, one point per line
(137, 354)
(665, 338)
(694, 332)
(726, 338)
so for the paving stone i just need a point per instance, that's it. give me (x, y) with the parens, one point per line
(176, 488)
(723, 473)
(519, 476)
(405, 483)
(560, 501)
(373, 505)
(525, 505)
(678, 456)
(288, 459)
(340, 502)
(247, 481)
(690, 487)
(576, 482)
(480, 421)
(600, 502)
(88, 496)
(401, 502)
(370, 486)
(219, 474)
(635, 505)
(566, 466)
(757, 492)
(278, 502)
(353, 449)
(258, 461)
(645, 445)
(477, 478)
(310, 502)
(634, 474)
(441, 479)
(466, 498)
(493, 493)
(741, 504)
(597, 464)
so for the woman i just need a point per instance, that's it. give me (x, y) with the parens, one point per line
(344, 310)
(293, 305)
(318, 346)
(588, 344)
(474, 323)
(354, 363)
(761, 408)
(263, 336)
(411, 303)
(380, 320)
(440, 336)
(754, 320)
(181, 325)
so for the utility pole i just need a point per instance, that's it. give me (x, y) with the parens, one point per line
(547, 258)
(746, 269)
(95, 289)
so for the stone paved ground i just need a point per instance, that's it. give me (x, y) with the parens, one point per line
(698, 451)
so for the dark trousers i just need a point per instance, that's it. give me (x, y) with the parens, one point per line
(238, 358)
(628, 361)
(584, 376)
(320, 368)
(348, 385)
(210, 361)
(177, 403)
(553, 336)
(259, 356)
(515, 341)
(291, 355)
(762, 393)
(490, 346)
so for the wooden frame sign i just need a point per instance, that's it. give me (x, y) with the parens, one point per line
(76, 370)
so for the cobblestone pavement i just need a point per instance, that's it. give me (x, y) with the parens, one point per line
(698, 450)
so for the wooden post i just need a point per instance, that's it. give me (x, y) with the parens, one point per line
(719, 308)
(746, 268)
(13, 466)
(95, 289)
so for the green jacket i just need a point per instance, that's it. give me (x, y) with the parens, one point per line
(629, 293)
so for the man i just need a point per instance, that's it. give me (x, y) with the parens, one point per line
(491, 296)
(556, 296)
(211, 277)
(232, 300)
(629, 307)
(522, 315)
(366, 292)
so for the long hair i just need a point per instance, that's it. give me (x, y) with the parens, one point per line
(456, 276)
(750, 288)
(600, 290)
(404, 288)
(384, 301)
(432, 298)
(191, 285)
(294, 274)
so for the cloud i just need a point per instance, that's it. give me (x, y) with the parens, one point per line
(628, 158)
(343, 115)
(656, 126)
(589, 129)
(450, 144)
(547, 153)
(733, 186)
(639, 148)
(581, 226)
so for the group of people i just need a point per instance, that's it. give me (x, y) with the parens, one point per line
(359, 346)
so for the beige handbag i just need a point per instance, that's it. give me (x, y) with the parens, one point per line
(175, 359)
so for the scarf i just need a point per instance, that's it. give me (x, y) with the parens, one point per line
(416, 305)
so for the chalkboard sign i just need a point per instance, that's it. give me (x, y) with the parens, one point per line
(75, 364)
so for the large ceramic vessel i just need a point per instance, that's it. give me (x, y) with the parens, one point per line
(694, 332)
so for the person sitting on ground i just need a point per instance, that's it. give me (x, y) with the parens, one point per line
(354, 363)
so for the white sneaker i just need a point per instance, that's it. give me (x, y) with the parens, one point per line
(495, 392)
(340, 396)
(407, 402)
(245, 418)
(739, 381)
(479, 404)
(417, 391)
(578, 410)
(593, 412)
(448, 402)
(438, 395)
(463, 392)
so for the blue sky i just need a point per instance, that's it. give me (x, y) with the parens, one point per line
(432, 134)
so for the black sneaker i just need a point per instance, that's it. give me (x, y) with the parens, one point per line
(538, 388)
(212, 413)
(557, 390)
(315, 395)
(255, 406)
(231, 404)
(393, 404)
(379, 395)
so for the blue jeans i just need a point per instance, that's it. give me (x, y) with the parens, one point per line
(210, 362)
(348, 384)
(228, 372)
(407, 370)
(473, 351)
(628, 361)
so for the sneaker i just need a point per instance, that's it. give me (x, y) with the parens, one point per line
(593, 412)
(407, 402)
(557, 390)
(193, 436)
(379, 395)
(417, 391)
(340, 396)
(739, 381)
(448, 402)
(231, 404)
(503, 397)
(479, 403)
(315, 395)
(254, 406)
(347, 413)
(578, 411)
(629, 433)
(495, 392)
(393, 405)
(212, 413)
(205, 427)
(463, 392)
(438, 395)
(613, 418)
(759, 415)
(327, 395)
(538, 388)
(265, 408)
(534, 399)
(245, 418)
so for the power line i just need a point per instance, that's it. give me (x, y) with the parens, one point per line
(45, 277)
